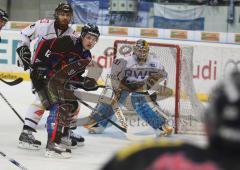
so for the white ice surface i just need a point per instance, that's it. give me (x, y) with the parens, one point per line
(92, 156)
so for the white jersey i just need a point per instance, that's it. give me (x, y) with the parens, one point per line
(134, 71)
(42, 29)
(129, 70)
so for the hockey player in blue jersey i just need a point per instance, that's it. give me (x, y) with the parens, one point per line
(135, 75)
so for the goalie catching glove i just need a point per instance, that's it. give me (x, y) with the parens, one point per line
(24, 57)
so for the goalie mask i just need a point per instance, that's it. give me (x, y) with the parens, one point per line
(223, 114)
(141, 50)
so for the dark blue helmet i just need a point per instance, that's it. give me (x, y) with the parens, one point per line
(90, 29)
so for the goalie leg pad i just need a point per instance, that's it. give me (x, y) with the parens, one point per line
(144, 110)
(106, 111)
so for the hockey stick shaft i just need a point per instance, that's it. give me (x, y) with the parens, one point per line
(109, 120)
(14, 82)
(4, 98)
(13, 161)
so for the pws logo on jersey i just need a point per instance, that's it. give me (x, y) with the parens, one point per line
(140, 73)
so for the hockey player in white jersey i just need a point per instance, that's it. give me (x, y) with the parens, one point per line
(137, 74)
(43, 29)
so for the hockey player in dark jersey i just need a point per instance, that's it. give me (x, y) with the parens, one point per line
(222, 121)
(3, 19)
(57, 62)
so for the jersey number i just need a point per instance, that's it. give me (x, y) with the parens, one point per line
(47, 54)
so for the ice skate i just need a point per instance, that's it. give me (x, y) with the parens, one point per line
(68, 143)
(28, 141)
(96, 129)
(165, 130)
(76, 138)
(54, 150)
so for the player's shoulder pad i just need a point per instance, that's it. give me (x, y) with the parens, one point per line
(132, 149)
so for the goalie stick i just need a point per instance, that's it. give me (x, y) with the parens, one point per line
(131, 137)
(95, 98)
(13, 161)
(109, 120)
(89, 121)
(14, 82)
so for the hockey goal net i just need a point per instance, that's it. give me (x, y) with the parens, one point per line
(183, 107)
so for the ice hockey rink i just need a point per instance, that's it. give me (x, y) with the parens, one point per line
(97, 149)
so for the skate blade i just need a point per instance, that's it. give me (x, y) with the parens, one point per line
(24, 145)
(68, 146)
(53, 154)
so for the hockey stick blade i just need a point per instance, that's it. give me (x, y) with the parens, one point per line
(14, 82)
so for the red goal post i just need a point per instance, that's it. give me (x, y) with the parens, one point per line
(183, 107)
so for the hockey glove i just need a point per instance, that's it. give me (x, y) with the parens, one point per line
(24, 57)
(88, 84)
